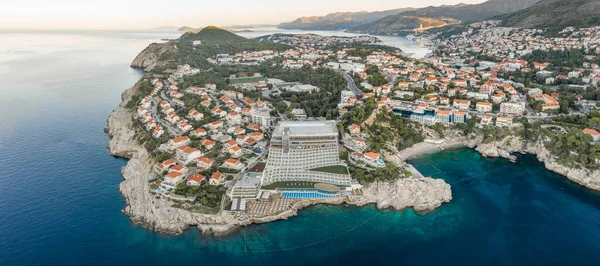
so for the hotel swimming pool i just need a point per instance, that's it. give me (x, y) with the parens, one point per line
(306, 195)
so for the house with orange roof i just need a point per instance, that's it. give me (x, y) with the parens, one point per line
(483, 107)
(253, 127)
(342, 111)
(179, 168)
(186, 154)
(239, 131)
(430, 81)
(183, 126)
(195, 180)
(172, 179)
(204, 163)
(200, 132)
(216, 178)
(158, 131)
(214, 125)
(354, 129)
(230, 144)
(235, 151)
(205, 103)
(232, 163)
(233, 118)
(592, 132)
(461, 104)
(164, 166)
(460, 83)
(359, 143)
(540, 66)
(258, 136)
(444, 101)
(207, 144)
(403, 85)
(195, 115)
(249, 142)
(178, 142)
(486, 120)
(372, 159)
(172, 118)
(503, 121)
(241, 139)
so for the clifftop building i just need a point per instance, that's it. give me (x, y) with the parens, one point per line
(305, 151)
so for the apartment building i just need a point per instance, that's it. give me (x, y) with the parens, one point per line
(305, 151)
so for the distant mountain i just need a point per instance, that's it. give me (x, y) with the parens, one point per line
(339, 20)
(398, 24)
(213, 34)
(187, 28)
(434, 15)
(556, 14)
(214, 41)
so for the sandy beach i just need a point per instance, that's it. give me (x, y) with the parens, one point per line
(426, 147)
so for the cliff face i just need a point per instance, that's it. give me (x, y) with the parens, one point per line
(585, 177)
(141, 206)
(149, 58)
(423, 194)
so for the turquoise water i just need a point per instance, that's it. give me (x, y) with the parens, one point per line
(60, 204)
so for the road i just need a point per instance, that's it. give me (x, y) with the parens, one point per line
(351, 85)
(154, 112)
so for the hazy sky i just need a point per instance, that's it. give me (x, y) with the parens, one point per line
(138, 14)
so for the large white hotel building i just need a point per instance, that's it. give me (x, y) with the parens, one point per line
(299, 146)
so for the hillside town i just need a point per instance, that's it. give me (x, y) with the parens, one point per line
(232, 141)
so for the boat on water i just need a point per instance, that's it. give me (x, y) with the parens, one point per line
(412, 38)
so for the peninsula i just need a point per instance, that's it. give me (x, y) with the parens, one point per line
(222, 132)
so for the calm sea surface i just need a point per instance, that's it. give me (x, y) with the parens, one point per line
(60, 204)
(413, 48)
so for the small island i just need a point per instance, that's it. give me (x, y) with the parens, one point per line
(223, 131)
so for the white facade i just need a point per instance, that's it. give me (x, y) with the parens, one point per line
(512, 108)
(261, 118)
(297, 147)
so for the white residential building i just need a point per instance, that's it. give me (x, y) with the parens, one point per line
(261, 118)
(186, 154)
(483, 107)
(299, 147)
(512, 108)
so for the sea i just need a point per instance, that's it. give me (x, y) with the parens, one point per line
(60, 203)
(415, 49)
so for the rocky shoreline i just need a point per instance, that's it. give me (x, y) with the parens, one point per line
(506, 147)
(152, 212)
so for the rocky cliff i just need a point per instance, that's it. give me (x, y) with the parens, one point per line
(158, 214)
(141, 206)
(512, 144)
(149, 58)
(422, 194)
